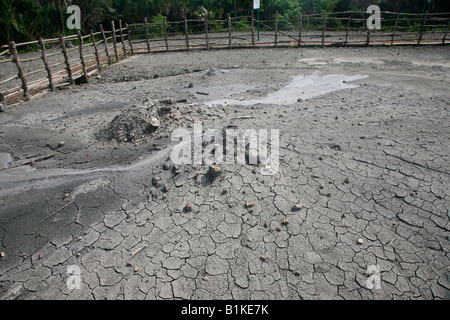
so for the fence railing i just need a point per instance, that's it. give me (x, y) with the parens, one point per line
(61, 63)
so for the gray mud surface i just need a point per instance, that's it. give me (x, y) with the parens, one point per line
(364, 147)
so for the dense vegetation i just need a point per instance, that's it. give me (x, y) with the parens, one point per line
(22, 20)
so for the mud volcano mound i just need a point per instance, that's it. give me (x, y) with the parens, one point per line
(132, 124)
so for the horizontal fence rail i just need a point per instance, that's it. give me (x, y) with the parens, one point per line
(62, 61)
(73, 59)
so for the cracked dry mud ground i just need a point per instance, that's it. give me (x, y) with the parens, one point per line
(369, 163)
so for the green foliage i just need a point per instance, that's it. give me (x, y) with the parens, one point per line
(157, 31)
(24, 20)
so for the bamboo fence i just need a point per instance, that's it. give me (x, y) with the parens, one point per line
(62, 64)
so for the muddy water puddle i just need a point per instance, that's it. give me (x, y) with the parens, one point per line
(301, 87)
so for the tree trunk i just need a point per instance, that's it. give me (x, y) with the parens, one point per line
(59, 9)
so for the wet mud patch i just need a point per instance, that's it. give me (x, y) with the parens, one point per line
(5, 159)
(300, 87)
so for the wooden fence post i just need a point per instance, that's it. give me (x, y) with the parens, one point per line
(146, 35)
(66, 59)
(13, 50)
(97, 57)
(166, 40)
(253, 28)
(276, 29)
(83, 64)
(229, 30)
(395, 29)
(130, 40)
(186, 32)
(300, 30)
(113, 29)
(121, 38)
(47, 67)
(106, 44)
(348, 29)
(446, 31)
(422, 29)
(206, 30)
(324, 28)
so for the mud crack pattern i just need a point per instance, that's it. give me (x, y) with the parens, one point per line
(368, 165)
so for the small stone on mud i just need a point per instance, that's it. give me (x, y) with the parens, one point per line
(214, 170)
(154, 122)
(164, 110)
(297, 207)
(360, 241)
